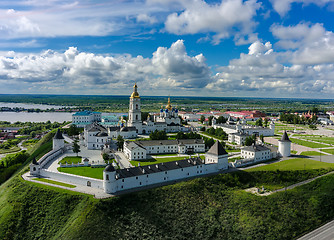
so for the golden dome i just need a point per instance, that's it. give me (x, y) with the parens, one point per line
(135, 94)
(169, 106)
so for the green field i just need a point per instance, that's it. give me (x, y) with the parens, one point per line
(10, 150)
(293, 165)
(71, 160)
(311, 153)
(84, 171)
(328, 140)
(54, 182)
(330, 150)
(155, 161)
(307, 144)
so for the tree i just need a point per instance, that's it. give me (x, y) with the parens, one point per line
(158, 135)
(262, 138)
(266, 122)
(315, 110)
(144, 115)
(33, 134)
(250, 140)
(73, 130)
(105, 156)
(210, 120)
(120, 142)
(202, 119)
(259, 122)
(221, 120)
(76, 147)
(202, 129)
(209, 142)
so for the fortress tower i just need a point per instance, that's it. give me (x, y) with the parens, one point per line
(58, 140)
(284, 146)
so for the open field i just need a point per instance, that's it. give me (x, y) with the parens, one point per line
(294, 164)
(330, 150)
(84, 171)
(307, 143)
(71, 160)
(54, 182)
(321, 139)
(311, 153)
(155, 161)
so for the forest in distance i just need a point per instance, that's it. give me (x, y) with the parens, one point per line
(119, 103)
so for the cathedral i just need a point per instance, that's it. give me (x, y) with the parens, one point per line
(167, 120)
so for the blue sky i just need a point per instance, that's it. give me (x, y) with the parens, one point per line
(274, 48)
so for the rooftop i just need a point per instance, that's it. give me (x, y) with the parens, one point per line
(160, 167)
(255, 148)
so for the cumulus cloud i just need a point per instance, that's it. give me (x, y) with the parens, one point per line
(282, 7)
(74, 18)
(221, 19)
(263, 71)
(311, 42)
(72, 70)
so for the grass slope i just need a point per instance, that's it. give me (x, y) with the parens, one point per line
(206, 208)
(46, 180)
(294, 164)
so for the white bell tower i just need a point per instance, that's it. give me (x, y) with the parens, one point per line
(134, 110)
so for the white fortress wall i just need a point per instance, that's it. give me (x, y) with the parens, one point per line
(160, 177)
(70, 178)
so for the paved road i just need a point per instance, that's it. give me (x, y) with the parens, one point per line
(325, 232)
(122, 160)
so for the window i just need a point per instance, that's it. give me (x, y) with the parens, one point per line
(122, 180)
(107, 177)
(140, 183)
(136, 177)
(165, 172)
(122, 187)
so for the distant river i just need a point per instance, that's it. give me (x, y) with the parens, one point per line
(29, 106)
(35, 117)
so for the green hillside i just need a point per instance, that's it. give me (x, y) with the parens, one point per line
(205, 208)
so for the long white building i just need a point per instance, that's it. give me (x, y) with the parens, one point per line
(137, 150)
(84, 118)
(245, 129)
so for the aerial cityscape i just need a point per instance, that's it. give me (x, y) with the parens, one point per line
(153, 119)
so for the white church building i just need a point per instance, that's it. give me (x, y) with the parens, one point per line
(167, 120)
(137, 150)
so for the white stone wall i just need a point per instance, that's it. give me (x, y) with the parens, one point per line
(70, 178)
(160, 177)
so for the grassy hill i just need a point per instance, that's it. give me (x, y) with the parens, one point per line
(207, 208)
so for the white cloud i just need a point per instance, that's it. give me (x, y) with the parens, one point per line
(221, 19)
(284, 6)
(263, 72)
(35, 18)
(75, 71)
(146, 19)
(312, 43)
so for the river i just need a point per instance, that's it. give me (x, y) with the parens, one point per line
(30, 106)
